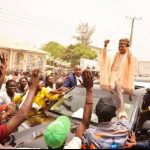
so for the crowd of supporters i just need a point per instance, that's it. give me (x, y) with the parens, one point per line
(21, 93)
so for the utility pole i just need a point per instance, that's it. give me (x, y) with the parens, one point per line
(132, 27)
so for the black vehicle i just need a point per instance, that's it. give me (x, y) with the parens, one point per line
(73, 108)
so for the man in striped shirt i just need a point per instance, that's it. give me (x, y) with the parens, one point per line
(107, 134)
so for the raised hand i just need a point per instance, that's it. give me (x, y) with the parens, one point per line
(106, 42)
(3, 68)
(3, 64)
(87, 79)
(88, 84)
(3, 59)
(34, 78)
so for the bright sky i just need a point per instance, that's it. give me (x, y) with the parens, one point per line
(40, 21)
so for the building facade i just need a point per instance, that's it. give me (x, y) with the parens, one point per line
(23, 57)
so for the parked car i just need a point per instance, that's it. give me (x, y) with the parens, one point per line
(73, 108)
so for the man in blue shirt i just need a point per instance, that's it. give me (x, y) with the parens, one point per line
(74, 78)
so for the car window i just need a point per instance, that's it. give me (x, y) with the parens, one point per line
(75, 106)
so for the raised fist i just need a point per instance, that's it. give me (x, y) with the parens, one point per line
(106, 42)
(87, 79)
(35, 76)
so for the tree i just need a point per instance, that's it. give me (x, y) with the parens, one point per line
(77, 51)
(85, 33)
(57, 50)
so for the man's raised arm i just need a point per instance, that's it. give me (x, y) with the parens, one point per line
(15, 121)
(75, 143)
(88, 84)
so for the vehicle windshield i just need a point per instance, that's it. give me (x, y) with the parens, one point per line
(74, 107)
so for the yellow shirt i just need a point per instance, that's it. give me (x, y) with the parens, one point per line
(42, 95)
(17, 98)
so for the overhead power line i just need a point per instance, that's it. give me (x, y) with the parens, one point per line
(17, 18)
(33, 22)
(115, 8)
(124, 7)
(35, 18)
(55, 26)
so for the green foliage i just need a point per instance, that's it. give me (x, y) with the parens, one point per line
(77, 51)
(55, 49)
(72, 53)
